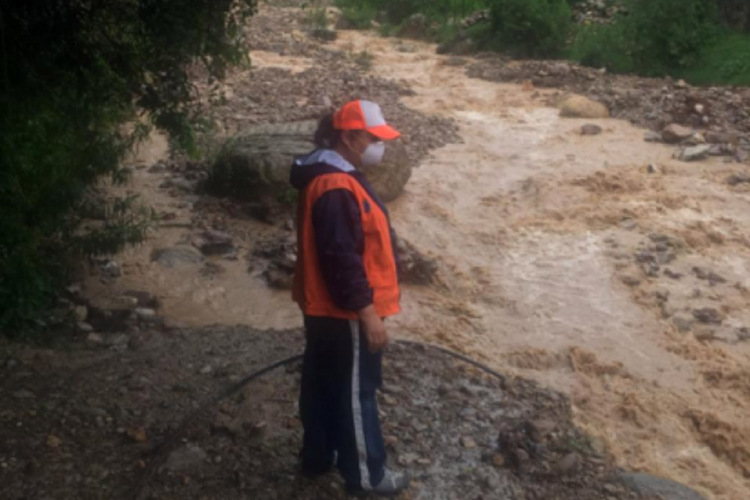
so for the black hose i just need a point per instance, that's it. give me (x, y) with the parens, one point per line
(177, 435)
(458, 356)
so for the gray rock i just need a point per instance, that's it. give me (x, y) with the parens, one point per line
(94, 338)
(569, 464)
(695, 153)
(708, 315)
(185, 458)
(708, 275)
(720, 137)
(143, 299)
(651, 136)
(671, 274)
(157, 168)
(646, 484)
(591, 129)
(177, 256)
(111, 269)
(127, 302)
(738, 178)
(214, 243)
(675, 134)
(146, 314)
(280, 279)
(630, 281)
(84, 327)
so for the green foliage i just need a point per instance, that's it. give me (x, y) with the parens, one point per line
(72, 74)
(359, 14)
(121, 222)
(531, 28)
(228, 176)
(727, 61)
(654, 38)
(602, 46)
(666, 34)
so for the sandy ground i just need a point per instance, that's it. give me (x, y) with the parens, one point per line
(535, 229)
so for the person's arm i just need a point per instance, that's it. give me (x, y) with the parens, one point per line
(340, 243)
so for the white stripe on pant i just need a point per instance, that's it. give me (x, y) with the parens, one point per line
(359, 433)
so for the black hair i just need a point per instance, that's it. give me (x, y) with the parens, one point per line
(326, 136)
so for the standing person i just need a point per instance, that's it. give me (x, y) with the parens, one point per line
(346, 283)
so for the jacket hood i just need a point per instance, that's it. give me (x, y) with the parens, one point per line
(321, 161)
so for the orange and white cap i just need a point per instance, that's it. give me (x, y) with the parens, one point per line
(364, 115)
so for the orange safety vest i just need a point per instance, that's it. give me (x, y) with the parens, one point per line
(310, 290)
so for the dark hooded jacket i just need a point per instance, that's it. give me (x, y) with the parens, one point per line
(338, 229)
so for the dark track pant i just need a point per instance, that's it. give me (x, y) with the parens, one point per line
(337, 402)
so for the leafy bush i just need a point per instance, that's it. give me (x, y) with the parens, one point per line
(602, 46)
(531, 28)
(72, 74)
(666, 34)
(726, 61)
(359, 15)
(654, 37)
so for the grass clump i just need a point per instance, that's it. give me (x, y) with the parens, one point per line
(364, 59)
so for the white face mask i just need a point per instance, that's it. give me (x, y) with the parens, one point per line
(373, 154)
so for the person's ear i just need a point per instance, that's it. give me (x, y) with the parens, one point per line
(349, 138)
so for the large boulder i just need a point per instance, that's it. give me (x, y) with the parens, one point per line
(390, 177)
(674, 134)
(255, 165)
(577, 106)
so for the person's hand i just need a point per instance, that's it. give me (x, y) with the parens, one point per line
(377, 337)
